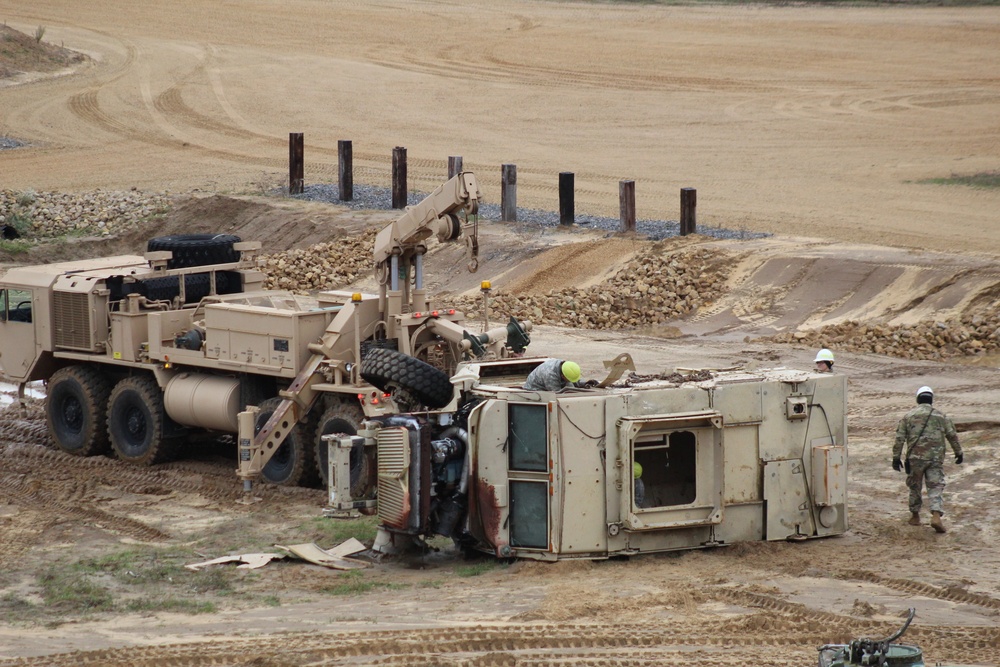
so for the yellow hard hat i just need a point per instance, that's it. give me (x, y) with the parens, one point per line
(571, 370)
(636, 469)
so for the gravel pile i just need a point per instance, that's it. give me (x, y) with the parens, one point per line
(322, 266)
(52, 214)
(368, 197)
(654, 288)
(972, 335)
(7, 142)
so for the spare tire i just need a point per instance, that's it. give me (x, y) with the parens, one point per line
(384, 368)
(196, 249)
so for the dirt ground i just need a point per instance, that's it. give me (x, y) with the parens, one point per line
(781, 119)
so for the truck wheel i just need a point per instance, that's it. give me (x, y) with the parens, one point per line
(345, 417)
(294, 464)
(76, 408)
(196, 249)
(384, 368)
(135, 422)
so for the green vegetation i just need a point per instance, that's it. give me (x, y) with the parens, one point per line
(353, 583)
(15, 247)
(984, 179)
(73, 592)
(328, 532)
(479, 568)
(39, 33)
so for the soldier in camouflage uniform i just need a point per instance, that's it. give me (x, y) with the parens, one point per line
(553, 375)
(924, 431)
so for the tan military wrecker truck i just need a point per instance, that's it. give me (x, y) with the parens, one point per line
(139, 352)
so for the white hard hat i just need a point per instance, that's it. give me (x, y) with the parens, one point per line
(824, 355)
(925, 390)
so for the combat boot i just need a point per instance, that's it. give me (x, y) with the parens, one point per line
(936, 522)
(914, 519)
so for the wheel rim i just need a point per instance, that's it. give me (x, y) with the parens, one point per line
(135, 427)
(72, 414)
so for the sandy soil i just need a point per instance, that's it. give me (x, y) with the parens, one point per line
(804, 120)
(780, 119)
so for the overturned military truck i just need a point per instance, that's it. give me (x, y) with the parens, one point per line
(632, 467)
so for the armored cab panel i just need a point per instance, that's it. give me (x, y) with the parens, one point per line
(79, 313)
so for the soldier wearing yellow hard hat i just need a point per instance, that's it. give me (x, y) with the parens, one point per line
(553, 375)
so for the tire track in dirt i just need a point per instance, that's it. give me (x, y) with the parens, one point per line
(28, 492)
(767, 639)
(926, 590)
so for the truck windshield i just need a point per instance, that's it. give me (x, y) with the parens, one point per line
(15, 305)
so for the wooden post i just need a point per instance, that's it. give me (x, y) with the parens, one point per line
(345, 151)
(567, 207)
(399, 177)
(689, 202)
(508, 193)
(296, 163)
(626, 201)
(454, 166)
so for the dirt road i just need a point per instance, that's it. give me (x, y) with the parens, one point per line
(804, 120)
(812, 122)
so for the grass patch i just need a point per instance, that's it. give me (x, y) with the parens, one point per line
(70, 591)
(984, 179)
(15, 247)
(328, 532)
(476, 569)
(15, 608)
(353, 583)
(171, 604)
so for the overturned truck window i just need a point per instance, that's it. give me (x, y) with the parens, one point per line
(527, 438)
(527, 463)
(668, 464)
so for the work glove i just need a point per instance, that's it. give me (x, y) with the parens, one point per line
(906, 466)
(897, 465)
(959, 458)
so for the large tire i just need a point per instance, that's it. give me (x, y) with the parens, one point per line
(76, 408)
(196, 249)
(384, 368)
(345, 417)
(136, 420)
(294, 464)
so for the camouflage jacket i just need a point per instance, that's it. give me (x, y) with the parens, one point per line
(547, 377)
(931, 444)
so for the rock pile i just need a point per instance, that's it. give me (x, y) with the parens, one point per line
(322, 266)
(54, 214)
(654, 288)
(973, 334)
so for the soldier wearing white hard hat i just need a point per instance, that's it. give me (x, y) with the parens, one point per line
(924, 431)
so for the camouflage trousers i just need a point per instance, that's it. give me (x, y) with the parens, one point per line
(930, 473)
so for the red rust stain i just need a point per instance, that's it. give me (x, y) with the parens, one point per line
(489, 512)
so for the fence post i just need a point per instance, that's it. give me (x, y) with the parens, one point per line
(567, 206)
(626, 201)
(296, 163)
(399, 177)
(454, 166)
(345, 152)
(508, 193)
(689, 203)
